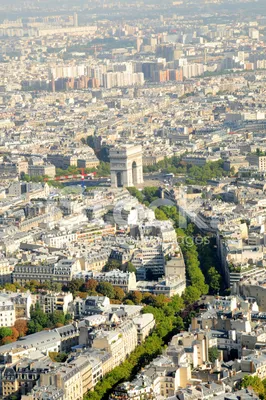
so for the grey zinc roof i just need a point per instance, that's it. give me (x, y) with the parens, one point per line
(38, 340)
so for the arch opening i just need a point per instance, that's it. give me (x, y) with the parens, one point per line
(119, 180)
(134, 173)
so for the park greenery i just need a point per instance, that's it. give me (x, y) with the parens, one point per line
(39, 320)
(103, 169)
(37, 179)
(258, 385)
(41, 179)
(194, 175)
(147, 195)
(33, 286)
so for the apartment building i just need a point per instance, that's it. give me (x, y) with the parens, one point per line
(62, 161)
(5, 272)
(128, 330)
(22, 303)
(42, 170)
(169, 286)
(97, 262)
(44, 392)
(125, 280)
(7, 312)
(191, 346)
(89, 234)
(258, 161)
(255, 288)
(254, 364)
(61, 271)
(92, 305)
(160, 379)
(84, 365)
(20, 378)
(147, 259)
(113, 343)
(51, 302)
(145, 324)
(68, 378)
(59, 240)
(69, 336)
(43, 341)
(141, 387)
(25, 273)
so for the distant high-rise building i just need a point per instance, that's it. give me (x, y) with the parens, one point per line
(139, 41)
(176, 74)
(75, 19)
(161, 76)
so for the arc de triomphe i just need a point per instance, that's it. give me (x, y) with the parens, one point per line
(126, 165)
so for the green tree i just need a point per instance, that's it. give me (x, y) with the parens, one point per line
(135, 296)
(160, 215)
(136, 193)
(38, 316)
(176, 304)
(129, 302)
(214, 280)
(160, 300)
(4, 332)
(148, 298)
(191, 295)
(179, 323)
(75, 285)
(119, 293)
(111, 265)
(150, 193)
(213, 354)
(255, 382)
(129, 267)
(106, 289)
(90, 284)
(57, 317)
(68, 318)
(58, 357)
(103, 169)
(32, 286)
(34, 327)
(10, 287)
(14, 397)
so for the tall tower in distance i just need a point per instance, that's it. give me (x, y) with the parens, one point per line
(75, 20)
